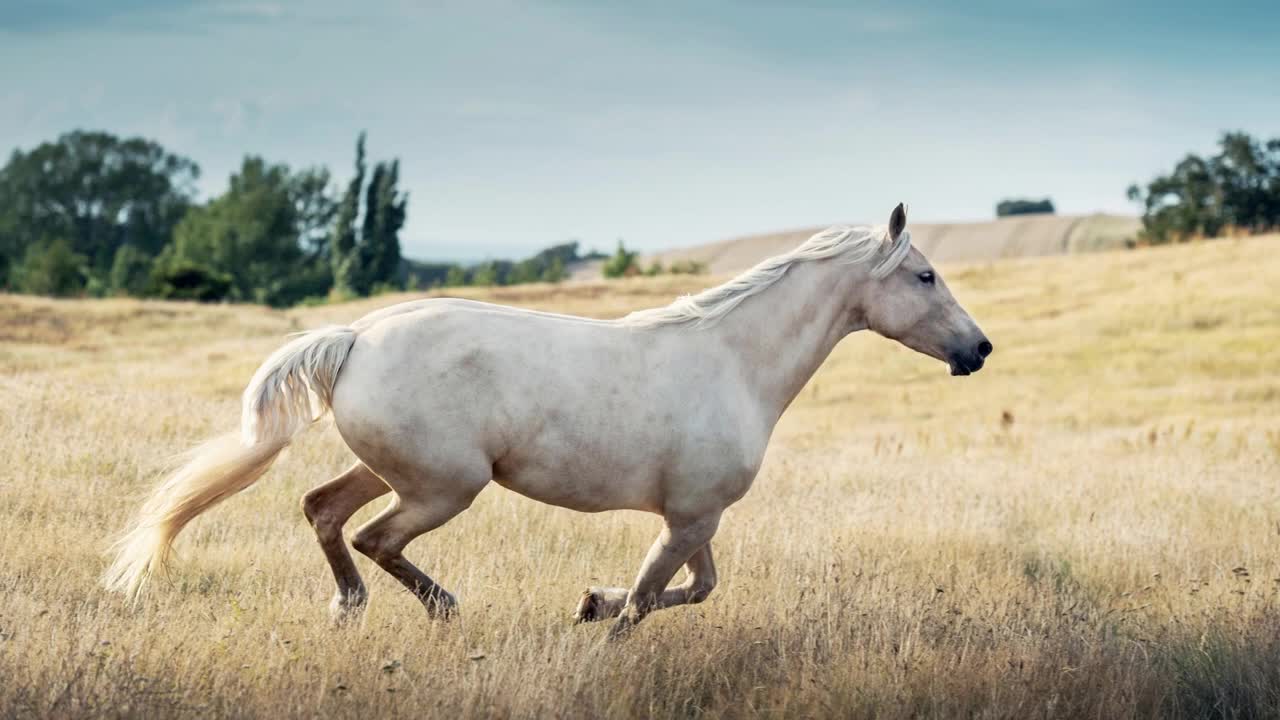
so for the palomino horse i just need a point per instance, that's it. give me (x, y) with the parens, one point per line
(666, 410)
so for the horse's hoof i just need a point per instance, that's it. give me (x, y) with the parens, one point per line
(600, 604)
(344, 609)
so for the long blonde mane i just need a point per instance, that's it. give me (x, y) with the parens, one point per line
(851, 245)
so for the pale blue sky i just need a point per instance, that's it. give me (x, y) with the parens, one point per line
(519, 125)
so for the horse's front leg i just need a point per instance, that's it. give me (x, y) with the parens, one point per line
(675, 546)
(604, 603)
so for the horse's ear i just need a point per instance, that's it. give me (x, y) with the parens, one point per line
(897, 222)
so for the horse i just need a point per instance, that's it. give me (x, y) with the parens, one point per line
(667, 410)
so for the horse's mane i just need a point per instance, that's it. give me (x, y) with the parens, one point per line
(851, 244)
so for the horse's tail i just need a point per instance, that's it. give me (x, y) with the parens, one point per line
(290, 391)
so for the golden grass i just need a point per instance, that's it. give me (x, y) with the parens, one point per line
(1017, 236)
(1090, 526)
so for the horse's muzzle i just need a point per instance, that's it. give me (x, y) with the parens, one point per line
(971, 361)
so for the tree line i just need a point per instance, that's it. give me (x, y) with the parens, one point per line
(97, 215)
(1023, 206)
(1235, 189)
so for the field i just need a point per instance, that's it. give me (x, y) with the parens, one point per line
(1088, 527)
(1017, 236)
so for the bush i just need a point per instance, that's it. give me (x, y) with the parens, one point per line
(50, 269)
(456, 277)
(688, 267)
(130, 272)
(304, 280)
(187, 281)
(623, 263)
(486, 275)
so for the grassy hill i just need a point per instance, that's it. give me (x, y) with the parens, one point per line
(1011, 237)
(1087, 527)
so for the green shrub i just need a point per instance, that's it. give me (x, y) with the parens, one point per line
(50, 269)
(188, 281)
(623, 263)
(1020, 206)
(688, 267)
(130, 272)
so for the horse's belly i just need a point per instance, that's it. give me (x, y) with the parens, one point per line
(602, 489)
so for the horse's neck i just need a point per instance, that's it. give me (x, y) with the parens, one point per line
(785, 333)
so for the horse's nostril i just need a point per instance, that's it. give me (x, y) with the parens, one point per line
(984, 348)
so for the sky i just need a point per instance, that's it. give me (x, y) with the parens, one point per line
(523, 124)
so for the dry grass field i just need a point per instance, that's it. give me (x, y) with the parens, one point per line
(1017, 236)
(1090, 527)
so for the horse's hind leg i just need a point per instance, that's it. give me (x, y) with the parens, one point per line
(411, 514)
(328, 508)
(604, 603)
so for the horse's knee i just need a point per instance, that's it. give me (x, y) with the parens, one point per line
(701, 588)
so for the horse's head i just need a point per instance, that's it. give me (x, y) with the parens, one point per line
(911, 304)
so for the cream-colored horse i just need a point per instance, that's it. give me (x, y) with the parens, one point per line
(666, 410)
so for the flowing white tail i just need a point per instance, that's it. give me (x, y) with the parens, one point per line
(289, 392)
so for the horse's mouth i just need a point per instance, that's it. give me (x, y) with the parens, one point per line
(965, 366)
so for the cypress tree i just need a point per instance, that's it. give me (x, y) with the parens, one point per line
(370, 256)
(348, 275)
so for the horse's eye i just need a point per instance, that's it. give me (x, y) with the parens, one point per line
(926, 277)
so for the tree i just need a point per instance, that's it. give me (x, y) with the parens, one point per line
(1239, 187)
(97, 192)
(348, 270)
(554, 271)
(316, 209)
(257, 235)
(623, 263)
(1248, 178)
(1021, 206)
(456, 277)
(130, 272)
(371, 256)
(384, 216)
(421, 274)
(50, 269)
(486, 274)
(548, 265)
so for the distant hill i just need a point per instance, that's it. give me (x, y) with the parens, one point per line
(1008, 237)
